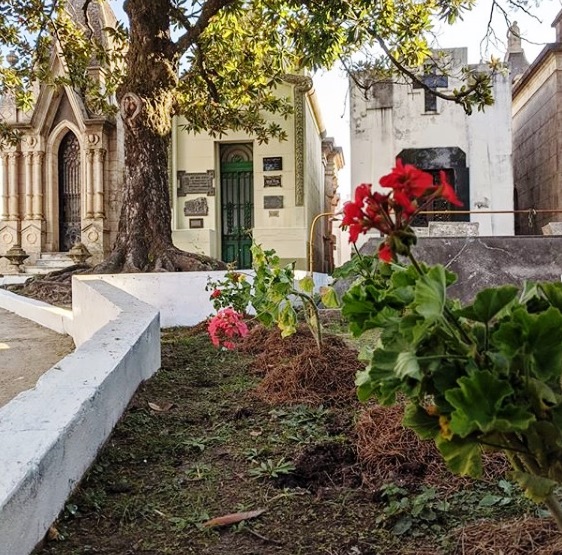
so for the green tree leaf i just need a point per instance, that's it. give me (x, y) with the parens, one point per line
(329, 298)
(553, 293)
(407, 366)
(307, 284)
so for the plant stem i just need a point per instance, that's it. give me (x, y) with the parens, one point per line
(555, 509)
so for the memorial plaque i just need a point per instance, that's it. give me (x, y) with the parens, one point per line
(274, 213)
(195, 183)
(196, 207)
(272, 181)
(273, 164)
(273, 202)
(196, 223)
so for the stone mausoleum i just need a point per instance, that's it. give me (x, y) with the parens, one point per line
(62, 182)
(391, 120)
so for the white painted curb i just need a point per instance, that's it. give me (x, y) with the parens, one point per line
(46, 315)
(51, 434)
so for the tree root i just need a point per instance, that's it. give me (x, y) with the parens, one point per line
(53, 288)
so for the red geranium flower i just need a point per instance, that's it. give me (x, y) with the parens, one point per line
(447, 191)
(385, 252)
(409, 179)
(216, 293)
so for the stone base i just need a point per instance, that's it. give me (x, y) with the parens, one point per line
(9, 234)
(93, 238)
(453, 229)
(32, 238)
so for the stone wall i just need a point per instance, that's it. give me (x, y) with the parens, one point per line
(489, 261)
(536, 124)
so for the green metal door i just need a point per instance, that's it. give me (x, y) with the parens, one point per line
(237, 207)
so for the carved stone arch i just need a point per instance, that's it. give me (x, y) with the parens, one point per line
(52, 201)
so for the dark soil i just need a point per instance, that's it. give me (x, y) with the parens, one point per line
(200, 441)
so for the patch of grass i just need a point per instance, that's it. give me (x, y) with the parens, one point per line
(162, 474)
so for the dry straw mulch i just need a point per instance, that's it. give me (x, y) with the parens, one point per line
(391, 453)
(518, 536)
(295, 371)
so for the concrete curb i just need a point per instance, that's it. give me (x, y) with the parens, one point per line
(46, 315)
(52, 433)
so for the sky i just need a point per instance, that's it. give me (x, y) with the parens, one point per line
(332, 87)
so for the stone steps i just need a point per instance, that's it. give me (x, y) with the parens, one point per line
(49, 262)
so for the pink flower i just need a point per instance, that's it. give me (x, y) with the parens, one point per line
(216, 293)
(226, 326)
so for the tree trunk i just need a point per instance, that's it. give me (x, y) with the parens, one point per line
(146, 98)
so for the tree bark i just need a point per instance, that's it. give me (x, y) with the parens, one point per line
(146, 98)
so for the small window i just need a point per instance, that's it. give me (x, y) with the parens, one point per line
(430, 101)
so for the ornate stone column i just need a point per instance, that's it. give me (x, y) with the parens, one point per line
(38, 185)
(90, 184)
(10, 225)
(5, 179)
(99, 157)
(302, 84)
(28, 164)
(93, 223)
(13, 200)
(33, 229)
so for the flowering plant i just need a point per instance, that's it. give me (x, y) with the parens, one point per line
(412, 191)
(482, 376)
(233, 291)
(225, 327)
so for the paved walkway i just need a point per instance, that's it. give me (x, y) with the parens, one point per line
(27, 350)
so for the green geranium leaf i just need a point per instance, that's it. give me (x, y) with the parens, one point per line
(553, 293)
(407, 366)
(478, 405)
(430, 293)
(535, 487)
(462, 456)
(545, 339)
(379, 378)
(307, 284)
(417, 419)
(508, 338)
(329, 298)
(489, 302)
(364, 385)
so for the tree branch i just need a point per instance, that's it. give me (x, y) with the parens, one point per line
(457, 98)
(210, 9)
(87, 17)
(200, 60)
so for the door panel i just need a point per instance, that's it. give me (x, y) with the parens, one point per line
(69, 192)
(237, 204)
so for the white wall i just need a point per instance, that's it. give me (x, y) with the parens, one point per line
(378, 135)
(51, 434)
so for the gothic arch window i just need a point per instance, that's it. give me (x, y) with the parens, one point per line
(69, 191)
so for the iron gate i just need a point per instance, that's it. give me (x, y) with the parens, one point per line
(69, 192)
(237, 211)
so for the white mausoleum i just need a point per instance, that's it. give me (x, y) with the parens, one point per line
(392, 120)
